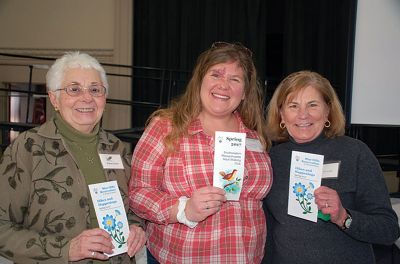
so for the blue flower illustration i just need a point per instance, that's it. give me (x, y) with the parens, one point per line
(115, 230)
(299, 189)
(304, 195)
(109, 223)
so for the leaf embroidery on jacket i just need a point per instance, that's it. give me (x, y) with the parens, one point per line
(52, 224)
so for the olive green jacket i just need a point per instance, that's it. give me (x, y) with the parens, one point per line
(44, 196)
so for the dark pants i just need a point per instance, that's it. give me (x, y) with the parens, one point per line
(150, 258)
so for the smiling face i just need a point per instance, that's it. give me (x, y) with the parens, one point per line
(81, 112)
(304, 114)
(222, 89)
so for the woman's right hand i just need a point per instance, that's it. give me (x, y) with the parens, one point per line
(91, 243)
(204, 202)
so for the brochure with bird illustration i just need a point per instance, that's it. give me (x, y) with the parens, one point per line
(229, 154)
(111, 214)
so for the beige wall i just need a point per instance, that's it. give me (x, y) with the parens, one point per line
(392, 181)
(61, 24)
(48, 28)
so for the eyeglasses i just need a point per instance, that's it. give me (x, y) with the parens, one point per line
(74, 90)
(237, 45)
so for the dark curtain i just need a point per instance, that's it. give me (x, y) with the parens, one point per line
(285, 36)
(170, 35)
(319, 36)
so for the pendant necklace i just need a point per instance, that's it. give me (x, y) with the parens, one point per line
(88, 157)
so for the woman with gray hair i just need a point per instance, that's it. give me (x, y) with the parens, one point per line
(46, 213)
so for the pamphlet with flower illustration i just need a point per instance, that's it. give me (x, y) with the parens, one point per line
(229, 156)
(111, 214)
(305, 177)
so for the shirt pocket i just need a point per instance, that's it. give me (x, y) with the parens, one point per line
(175, 177)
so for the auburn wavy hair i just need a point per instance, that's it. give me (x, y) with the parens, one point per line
(182, 111)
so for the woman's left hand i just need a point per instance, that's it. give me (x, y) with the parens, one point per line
(328, 201)
(136, 239)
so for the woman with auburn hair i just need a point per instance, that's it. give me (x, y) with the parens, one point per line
(188, 219)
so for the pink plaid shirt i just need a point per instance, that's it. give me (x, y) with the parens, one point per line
(235, 234)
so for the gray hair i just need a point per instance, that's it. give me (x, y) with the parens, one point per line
(72, 60)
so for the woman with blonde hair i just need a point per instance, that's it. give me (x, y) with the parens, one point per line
(305, 115)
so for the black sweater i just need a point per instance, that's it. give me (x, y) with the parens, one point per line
(362, 190)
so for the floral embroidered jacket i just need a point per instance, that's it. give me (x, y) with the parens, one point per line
(44, 196)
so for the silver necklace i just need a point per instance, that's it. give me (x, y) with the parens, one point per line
(88, 157)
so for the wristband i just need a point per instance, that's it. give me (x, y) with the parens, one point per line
(181, 216)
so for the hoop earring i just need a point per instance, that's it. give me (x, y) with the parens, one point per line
(282, 125)
(56, 109)
(327, 124)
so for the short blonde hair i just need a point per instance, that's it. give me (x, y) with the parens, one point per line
(292, 84)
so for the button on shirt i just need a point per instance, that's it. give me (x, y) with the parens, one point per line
(235, 234)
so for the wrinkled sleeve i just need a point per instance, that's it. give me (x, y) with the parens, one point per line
(17, 240)
(374, 220)
(146, 195)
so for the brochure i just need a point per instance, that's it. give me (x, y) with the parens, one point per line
(305, 177)
(229, 156)
(111, 214)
